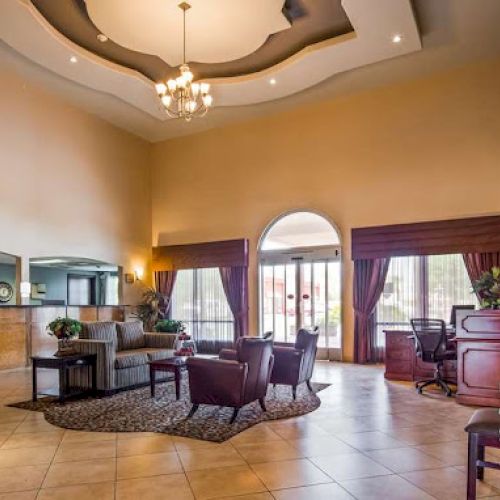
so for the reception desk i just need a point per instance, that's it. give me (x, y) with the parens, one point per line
(402, 363)
(478, 354)
(23, 328)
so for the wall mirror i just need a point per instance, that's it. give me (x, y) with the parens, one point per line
(74, 282)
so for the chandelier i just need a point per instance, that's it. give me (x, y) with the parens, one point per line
(181, 97)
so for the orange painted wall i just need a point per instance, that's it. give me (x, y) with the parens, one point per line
(423, 150)
(71, 184)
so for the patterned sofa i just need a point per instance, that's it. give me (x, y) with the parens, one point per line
(123, 352)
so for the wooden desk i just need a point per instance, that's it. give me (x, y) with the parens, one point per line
(401, 362)
(478, 349)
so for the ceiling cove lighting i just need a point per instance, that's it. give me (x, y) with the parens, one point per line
(272, 81)
(73, 60)
(397, 38)
(183, 98)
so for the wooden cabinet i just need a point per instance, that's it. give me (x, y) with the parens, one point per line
(402, 363)
(478, 349)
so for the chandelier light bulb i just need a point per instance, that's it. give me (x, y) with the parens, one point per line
(166, 100)
(161, 88)
(205, 88)
(172, 85)
(195, 87)
(207, 100)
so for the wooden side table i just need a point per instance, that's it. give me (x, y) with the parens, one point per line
(170, 365)
(64, 364)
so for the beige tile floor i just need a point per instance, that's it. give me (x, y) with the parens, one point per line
(370, 439)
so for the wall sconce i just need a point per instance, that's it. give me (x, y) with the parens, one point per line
(25, 289)
(139, 273)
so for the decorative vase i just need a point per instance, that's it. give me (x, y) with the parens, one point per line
(64, 348)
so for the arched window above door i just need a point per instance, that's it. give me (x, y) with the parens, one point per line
(299, 230)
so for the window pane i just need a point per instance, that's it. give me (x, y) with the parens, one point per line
(79, 291)
(334, 307)
(401, 298)
(111, 291)
(449, 285)
(199, 301)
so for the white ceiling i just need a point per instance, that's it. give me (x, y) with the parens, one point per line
(454, 32)
(217, 31)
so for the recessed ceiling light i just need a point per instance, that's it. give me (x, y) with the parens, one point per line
(73, 60)
(397, 39)
(272, 81)
(102, 37)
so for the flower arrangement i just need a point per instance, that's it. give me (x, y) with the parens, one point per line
(487, 288)
(64, 328)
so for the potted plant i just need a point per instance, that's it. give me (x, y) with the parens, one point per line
(487, 288)
(169, 326)
(151, 309)
(64, 329)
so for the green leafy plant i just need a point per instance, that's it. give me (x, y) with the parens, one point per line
(170, 326)
(488, 289)
(151, 309)
(64, 328)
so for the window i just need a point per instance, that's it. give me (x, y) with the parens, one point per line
(111, 290)
(81, 290)
(300, 278)
(425, 286)
(199, 301)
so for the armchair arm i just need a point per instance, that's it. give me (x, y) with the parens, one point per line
(217, 382)
(287, 365)
(228, 354)
(160, 340)
(105, 364)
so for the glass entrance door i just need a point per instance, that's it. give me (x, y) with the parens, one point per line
(302, 293)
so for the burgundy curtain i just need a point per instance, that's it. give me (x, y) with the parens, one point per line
(480, 262)
(369, 280)
(165, 281)
(235, 283)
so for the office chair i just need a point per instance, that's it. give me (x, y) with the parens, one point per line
(431, 347)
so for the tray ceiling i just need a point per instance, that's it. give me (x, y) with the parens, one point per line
(225, 37)
(324, 38)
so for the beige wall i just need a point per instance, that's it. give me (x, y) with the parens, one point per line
(70, 184)
(419, 151)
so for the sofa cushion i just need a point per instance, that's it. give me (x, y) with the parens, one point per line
(130, 335)
(156, 354)
(129, 359)
(100, 330)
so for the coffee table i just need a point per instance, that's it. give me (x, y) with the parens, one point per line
(171, 365)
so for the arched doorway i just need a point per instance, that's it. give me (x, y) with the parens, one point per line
(300, 280)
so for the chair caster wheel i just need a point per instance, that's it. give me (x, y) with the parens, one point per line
(449, 394)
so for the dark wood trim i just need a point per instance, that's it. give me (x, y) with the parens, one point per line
(477, 234)
(228, 253)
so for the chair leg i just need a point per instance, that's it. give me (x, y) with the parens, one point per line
(472, 471)
(235, 414)
(193, 410)
(262, 404)
(480, 456)
(294, 391)
(309, 386)
(424, 384)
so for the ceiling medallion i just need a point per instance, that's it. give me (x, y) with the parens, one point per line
(183, 98)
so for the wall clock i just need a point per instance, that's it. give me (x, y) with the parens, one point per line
(6, 292)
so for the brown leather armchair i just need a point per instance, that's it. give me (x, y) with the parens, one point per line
(294, 364)
(232, 382)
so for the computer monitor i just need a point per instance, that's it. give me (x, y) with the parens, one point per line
(454, 309)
